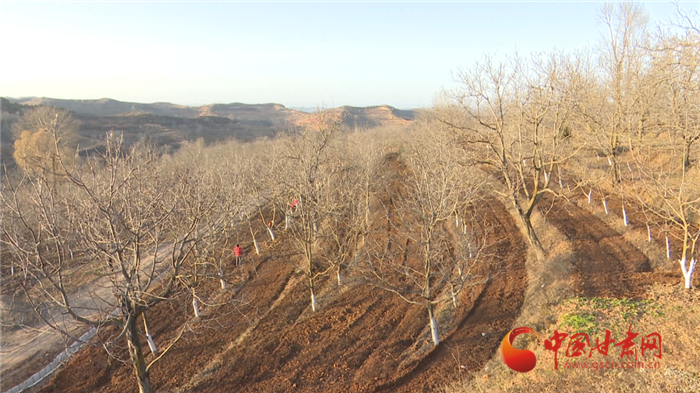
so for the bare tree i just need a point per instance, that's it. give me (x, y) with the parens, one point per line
(310, 168)
(614, 107)
(512, 117)
(676, 66)
(669, 191)
(421, 256)
(120, 221)
(351, 189)
(667, 186)
(41, 135)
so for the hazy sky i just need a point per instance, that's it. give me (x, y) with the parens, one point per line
(296, 54)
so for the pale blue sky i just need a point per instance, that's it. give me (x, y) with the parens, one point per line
(296, 54)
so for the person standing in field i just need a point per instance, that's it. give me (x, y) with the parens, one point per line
(238, 253)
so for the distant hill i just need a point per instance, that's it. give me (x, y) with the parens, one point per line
(169, 124)
(110, 107)
(277, 115)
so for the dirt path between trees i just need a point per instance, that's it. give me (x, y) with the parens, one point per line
(25, 351)
(607, 264)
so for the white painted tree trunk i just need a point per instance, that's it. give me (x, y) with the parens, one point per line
(465, 229)
(152, 344)
(668, 249)
(630, 167)
(597, 156)
(255, 243)
(149, 338)
(605, 205)
(454, 296)
(221, 279)
(561, 185)
(433, 327)
(272, 234)
(313, 301)
(590, 193)
(609, 161)
(195, 306)
(546, 177)
(624, 215)
(12, 270)
(456, 220)
(286, 222)
(649, 233)
(337, 276)
(688, 270)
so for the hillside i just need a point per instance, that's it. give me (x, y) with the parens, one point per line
(273, 115)
(168, 124)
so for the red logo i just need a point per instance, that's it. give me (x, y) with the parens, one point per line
(523, 360)
(520, 360)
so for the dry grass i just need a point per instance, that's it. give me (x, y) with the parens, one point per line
(671, 311)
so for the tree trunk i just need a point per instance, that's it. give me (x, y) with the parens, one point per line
(433, 325)
(688, 270)
(252, 234)
(313, 295)
(531, 235)
(614, 173)
(195, 306)
(337, 275)
(136, 355)
(255, 243)
(149, 338)
(221, 279)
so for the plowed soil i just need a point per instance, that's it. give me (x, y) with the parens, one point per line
(264, 337)
(361, 340)
(607, 265)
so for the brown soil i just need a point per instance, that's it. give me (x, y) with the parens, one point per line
(362, 339)
(665, 272)
(607, 265)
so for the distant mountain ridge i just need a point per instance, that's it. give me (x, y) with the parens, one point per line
(279, 115)
(170, 125)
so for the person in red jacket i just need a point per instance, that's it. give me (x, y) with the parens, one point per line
(238, 253)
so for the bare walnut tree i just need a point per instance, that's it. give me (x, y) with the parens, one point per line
(311, 166)
(121, 221)
(512, 118)
(668, 184)
(421, 255)
(41, 135)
